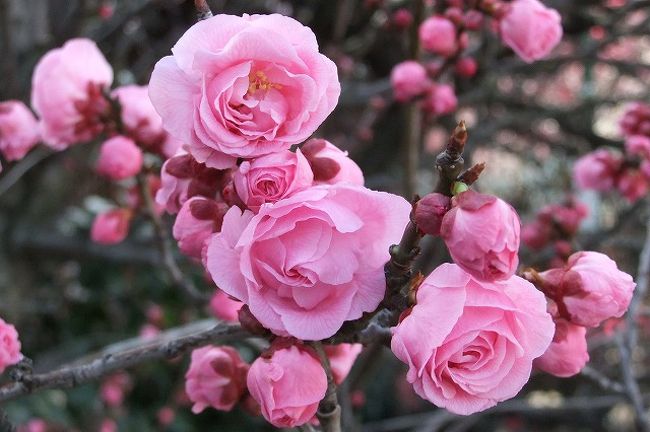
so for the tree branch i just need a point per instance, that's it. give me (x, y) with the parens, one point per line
(329, 410)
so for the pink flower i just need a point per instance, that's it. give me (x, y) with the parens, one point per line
(470, 344)
(119, 158)
(589, 289)
(288, 385)
(409, 79)
(224, 307)
(466, 67)
(636, 120)
(430, 211)
(216, 378)
(342, 358)
(114, 388)
(196, 221)
(441, 100)
(310, 262)
(482, 234)
(244, 87)
(638, 145)
(166, 416)
(438, 35)
(111, 227)
(18, 130)
(108, 425)
(270, 178)
(597, 170)
(567, 354)
(330, 164)
(34, 425)
(67, 95)
(9, 345)
(531, 29)
(536, 234)
(632, 184)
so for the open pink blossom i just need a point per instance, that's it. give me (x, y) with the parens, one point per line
(288, 385)
(330, 164)
(482, 235)
(216, 378)
(224, 307)
(310, 262)
(67, 88)
(470, 344)
(9, 345)
(531, 29)
(636, 120)
(409, 79)
(441, 100)
(597, 170)
(589, 289)
(438, 35)
(567, 354)
(638, 145)
(244, 87)
(111, 227)
(342, 358)
(18, 130)
(119, 158)
(196, 221)
(270, 178)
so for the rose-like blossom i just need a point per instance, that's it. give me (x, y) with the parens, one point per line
(531, 29)
(18, 130)
(288, 385)
(409, 79)
(244, 87)
(119, 158)
(114, 389)
(111, 227)
(9, 345)
(67, 95)
(216, 378)
(224, 307)
(636, 120)
(270, 178)
(429, 212)
(470, 344)
(342, 358)
(638, 145)
(482, 235)
(589, 289)
(632, 184)
(567, 354)
(597, 170)
(196, 221)
(310, 262)
(438, 35)
(441, 100)
(330, 164)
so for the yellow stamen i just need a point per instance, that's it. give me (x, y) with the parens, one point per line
(259, 81)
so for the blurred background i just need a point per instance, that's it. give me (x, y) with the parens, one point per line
(69, 297)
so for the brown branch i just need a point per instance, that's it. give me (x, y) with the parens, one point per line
(329, 410)
(202, 10)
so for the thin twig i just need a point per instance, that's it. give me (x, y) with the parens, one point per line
(18, 171)
(329, 410)
(632, 386)
(603, 381)
(202, 10)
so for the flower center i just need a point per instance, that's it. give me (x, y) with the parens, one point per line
(259, 81)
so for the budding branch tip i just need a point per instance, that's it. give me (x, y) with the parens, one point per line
(203, 10)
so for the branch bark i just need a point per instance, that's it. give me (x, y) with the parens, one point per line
(329, 410)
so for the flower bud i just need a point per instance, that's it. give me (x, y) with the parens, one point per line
(567, 354)
(438, 36)
(119, 158)
(111, 227)
(409, 79)
(18, 130)
(429, 212)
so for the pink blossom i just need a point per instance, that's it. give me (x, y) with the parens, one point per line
(470, 344)
(466, 67)
(196, 221)
(330, 164)
(270, 178)
(9, 345)
(409, 79)
(114, 388)
(402, 18)
(18, 130)
(149, 331)
(307, 263)
(535, 234)
(589, 289)
(166, 416)
(429, 212)
(482, 235)
(531, 29)
(67, 95)
(224, 307)
(342, 358)
(244, 87)
(216, 378)
(111, 227)
(632, 184)
(288, 385)
(119, 158)
(438, 35)
(441, 100)
(638, 145)
(597, 170)
(567, 354)
(636, 120)
(108, 425)
(34, 425)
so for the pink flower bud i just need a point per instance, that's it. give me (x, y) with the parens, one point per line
(18, 130)
(409, 79)
(108, 425)
(111, 227)
(67, 95)
(119, 158)
(531, 29)
(441, 100)
(597, 170)
(114, 388)
(216, 378)
(224, 307)
(535, 235)
(466, 67)
(429, 212)
(196, 221)
(567, 354)
(438, 35)
(273, 382)
(632, 184)
(166, 416)
(330, 164)
(482, 234)
(9, 345)
(342, 358)
(402, 18)
(473, 20)
(636, 120)
(638, 145)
